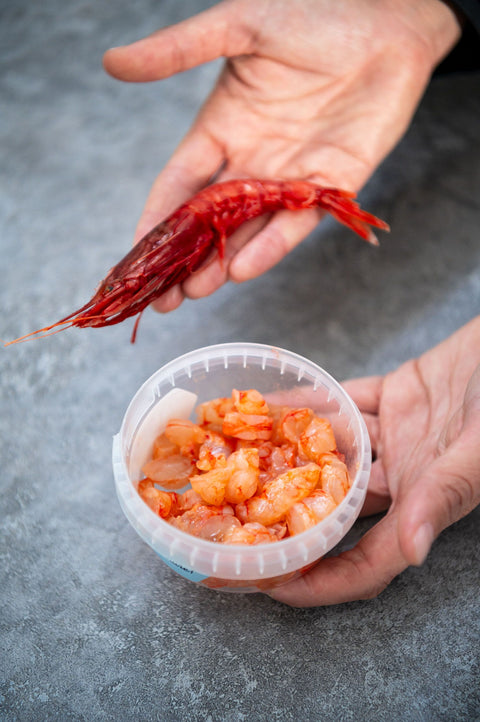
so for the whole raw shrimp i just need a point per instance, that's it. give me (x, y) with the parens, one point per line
(178, 246)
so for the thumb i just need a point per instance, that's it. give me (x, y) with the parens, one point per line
(216, 32)
(449, 489)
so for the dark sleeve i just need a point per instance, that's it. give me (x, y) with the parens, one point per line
(465, 55)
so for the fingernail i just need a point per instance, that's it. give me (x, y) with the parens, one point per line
(422, 541)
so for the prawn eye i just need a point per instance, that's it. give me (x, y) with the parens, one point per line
(108, 288)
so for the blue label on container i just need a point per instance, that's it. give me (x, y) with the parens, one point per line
(184, 571)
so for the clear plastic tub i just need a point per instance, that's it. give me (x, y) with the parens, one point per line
(210, 372)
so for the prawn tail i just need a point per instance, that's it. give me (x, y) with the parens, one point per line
(342, 206)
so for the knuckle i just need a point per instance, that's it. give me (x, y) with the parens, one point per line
(373, 581)
(461, 495)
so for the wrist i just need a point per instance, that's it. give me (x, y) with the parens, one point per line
(436, 24)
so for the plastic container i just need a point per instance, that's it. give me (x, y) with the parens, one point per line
(207, 373)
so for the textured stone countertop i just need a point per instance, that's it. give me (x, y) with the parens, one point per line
(93, 626)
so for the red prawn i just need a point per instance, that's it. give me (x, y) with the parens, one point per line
(176, 247)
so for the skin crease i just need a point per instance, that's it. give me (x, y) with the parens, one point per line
(327, 101)
(424, 424)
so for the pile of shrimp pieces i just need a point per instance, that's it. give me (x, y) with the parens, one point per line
(257, 472)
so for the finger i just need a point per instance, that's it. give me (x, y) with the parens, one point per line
(191, 166)
(209, 277)
(449, 489)
(170, 300)
(216, 270)
(359, 573)
(378, 494)
(365, 392)
(373, 427)
(255, 248)
(278, 237)
(194, 162)
(196, 40)
(283, 233)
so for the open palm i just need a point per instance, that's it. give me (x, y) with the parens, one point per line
(311, 89)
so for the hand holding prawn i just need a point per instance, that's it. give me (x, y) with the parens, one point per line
(309, 89)
(177, 246)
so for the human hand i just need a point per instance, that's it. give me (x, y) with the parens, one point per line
(311, 89)
(424, 424)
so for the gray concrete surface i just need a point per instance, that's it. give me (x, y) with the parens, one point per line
(93, 626)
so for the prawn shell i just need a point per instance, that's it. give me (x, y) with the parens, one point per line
(177, 247)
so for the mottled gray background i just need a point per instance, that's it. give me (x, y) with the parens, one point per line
(93, 625)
